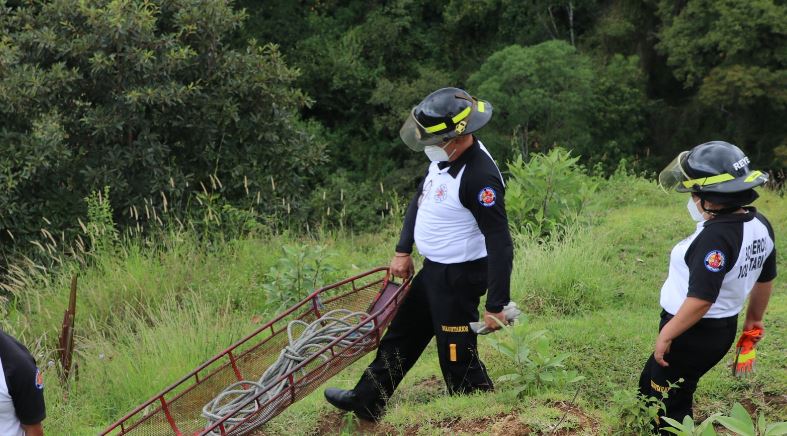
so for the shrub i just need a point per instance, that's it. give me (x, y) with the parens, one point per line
(547, 192)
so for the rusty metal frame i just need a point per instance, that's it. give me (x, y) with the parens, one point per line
(312, 305)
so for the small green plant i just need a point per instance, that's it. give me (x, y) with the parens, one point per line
(300, 270)
(535, 364)
(739, 422)
(742, 423)
(637, 412)
(689, 428)
(100, 226)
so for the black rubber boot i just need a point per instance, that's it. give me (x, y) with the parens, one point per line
(347, 401)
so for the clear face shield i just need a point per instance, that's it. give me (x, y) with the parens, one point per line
(673, 175)
(415, 136)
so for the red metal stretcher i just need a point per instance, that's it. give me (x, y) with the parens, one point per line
(177, 409)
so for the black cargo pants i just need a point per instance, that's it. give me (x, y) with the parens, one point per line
(442, 301)
(691, 355)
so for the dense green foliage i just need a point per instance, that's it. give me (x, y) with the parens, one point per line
(288, 111)
(148, 98)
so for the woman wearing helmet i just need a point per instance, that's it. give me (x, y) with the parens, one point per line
(730, 255)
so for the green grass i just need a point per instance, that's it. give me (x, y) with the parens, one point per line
(150, 312)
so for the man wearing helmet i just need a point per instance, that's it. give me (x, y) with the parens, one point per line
(458, 221)
(730, 255)
(22, 407)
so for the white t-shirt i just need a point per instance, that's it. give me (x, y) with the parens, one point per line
(446, 231)
(720, 262)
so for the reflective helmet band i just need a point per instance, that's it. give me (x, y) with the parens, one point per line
(459, 117)
(708, 180)
(462, 115)
(435, 128)
(753, 176)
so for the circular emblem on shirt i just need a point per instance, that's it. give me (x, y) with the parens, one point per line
(39, 379)
(714, 261)
(441, 193)
(487, 197)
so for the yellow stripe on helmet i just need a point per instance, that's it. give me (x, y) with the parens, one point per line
(462, 115)
(753, 176)
(435, 128)
(481, 106)
(705, 181)
(459, 117)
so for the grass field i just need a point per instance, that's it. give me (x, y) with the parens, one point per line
(150, 312)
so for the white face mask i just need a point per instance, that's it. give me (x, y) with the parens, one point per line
(435, 153)
(694, 210)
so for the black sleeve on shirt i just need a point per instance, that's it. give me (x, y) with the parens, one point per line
(711, 256)
(768, 272)
(26, 391)
(481, 191)
(407, 235)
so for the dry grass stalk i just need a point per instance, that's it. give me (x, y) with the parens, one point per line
(164, 201)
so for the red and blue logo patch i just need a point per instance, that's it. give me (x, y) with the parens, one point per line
(39, 379)
(714, 261)
(487, 197)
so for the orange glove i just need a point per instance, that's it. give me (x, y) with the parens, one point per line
(745, 354)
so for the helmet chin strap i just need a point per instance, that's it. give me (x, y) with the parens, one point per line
(450, 142)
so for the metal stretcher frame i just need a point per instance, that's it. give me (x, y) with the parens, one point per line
(157, 413)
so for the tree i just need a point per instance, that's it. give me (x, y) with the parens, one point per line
(147, 97)
(733, 55)
(619, 119)
(546, 90)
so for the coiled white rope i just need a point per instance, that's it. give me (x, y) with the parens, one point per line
(314, 337)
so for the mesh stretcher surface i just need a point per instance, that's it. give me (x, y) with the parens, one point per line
(177, 409)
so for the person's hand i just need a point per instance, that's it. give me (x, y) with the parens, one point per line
(402, 265)
(491, 320)
(748, 325)
(661, 348)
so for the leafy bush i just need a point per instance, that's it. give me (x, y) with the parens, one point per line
(547, 192)
(145, 97)
(535, 365)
